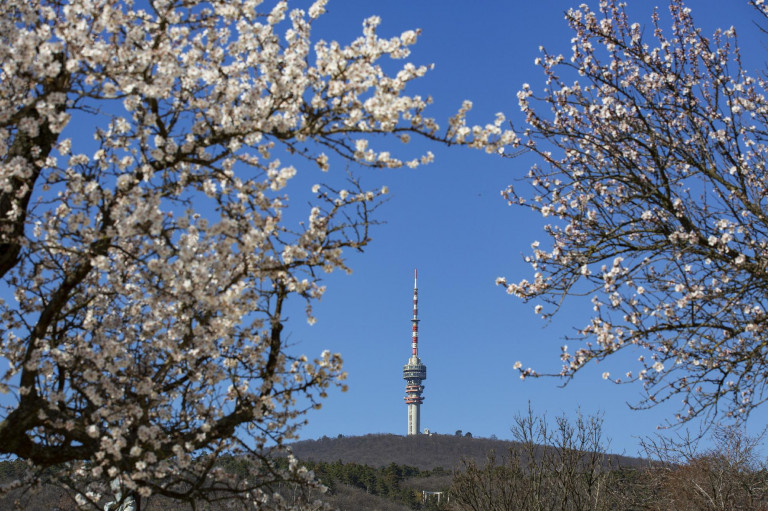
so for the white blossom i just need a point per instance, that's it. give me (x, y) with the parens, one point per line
(651, 154)
(155, 242)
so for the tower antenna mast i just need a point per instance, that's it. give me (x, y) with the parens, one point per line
(414, 372)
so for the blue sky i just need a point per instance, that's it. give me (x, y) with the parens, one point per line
(449, 221)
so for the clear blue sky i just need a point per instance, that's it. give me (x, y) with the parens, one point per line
(449, 221)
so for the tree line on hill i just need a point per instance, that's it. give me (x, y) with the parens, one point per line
(387, 481)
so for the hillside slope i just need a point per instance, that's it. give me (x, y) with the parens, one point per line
(421, 451)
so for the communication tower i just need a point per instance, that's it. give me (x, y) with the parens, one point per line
(414, 372)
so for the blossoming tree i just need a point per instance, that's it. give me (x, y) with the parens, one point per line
(653, 148)
(144, 253)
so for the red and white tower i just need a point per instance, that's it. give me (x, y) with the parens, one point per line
(414, 372)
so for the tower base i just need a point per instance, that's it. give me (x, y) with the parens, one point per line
(414, 419)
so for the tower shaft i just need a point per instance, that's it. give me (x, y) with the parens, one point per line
(414, 372)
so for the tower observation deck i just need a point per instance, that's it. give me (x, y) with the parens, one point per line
(414, 372)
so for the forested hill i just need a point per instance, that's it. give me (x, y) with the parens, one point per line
(423, 451)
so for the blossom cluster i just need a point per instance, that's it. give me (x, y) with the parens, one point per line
(653, 181)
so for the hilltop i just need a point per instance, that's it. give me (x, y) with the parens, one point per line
(425, 452)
